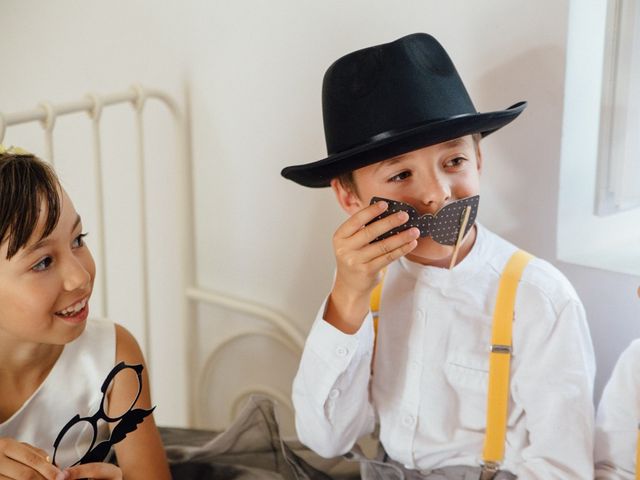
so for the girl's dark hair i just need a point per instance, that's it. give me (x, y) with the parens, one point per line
(26, 183)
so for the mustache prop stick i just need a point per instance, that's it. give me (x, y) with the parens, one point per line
(448, 226)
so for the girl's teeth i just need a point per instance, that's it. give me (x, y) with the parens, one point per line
(74, 308)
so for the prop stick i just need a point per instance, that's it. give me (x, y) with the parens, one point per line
(463, 227)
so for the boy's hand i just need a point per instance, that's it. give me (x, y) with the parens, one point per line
(97, 471)
(359, 262)
(21, 460)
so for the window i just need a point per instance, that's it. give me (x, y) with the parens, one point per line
(619, 146)
(598, 223)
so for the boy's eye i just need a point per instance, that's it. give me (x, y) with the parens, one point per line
(400, 176)
(42, 264)
(79, 240)
(455, 162)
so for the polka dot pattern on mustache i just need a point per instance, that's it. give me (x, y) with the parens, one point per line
(443, 226)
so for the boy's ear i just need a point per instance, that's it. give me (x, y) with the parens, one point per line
(347, 198)
(479, 158)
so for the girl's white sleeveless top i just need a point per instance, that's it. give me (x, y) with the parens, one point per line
(71, 388)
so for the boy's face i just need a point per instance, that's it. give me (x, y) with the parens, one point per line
(46, 285)
(428, 179)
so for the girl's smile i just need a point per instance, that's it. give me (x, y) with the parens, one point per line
(76, 312)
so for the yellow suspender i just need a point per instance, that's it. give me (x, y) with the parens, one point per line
(374, 303)
(499, 358)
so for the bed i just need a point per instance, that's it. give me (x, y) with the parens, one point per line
(214, 359)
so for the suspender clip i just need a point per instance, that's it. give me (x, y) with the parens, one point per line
(497, 348)
(489, 470)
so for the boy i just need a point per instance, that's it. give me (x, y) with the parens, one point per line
(400, 125)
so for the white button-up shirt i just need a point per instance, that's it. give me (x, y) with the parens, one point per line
(429, 388)
(618, 417)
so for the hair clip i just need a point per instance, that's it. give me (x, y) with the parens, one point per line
(14, 151)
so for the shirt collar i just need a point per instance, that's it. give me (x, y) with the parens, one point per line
(443, 278)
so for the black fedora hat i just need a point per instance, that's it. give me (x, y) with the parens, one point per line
(389, 99)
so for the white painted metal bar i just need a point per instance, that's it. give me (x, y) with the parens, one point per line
(236, 304)
(138, 105)
(96, 114)
(48, 123)
(85, 105)
(211, 363)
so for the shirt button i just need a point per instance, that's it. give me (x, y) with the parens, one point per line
(408, 421)
(342, 351)
(420, 315)
(333, 394)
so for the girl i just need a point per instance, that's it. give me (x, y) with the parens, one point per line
(53, 361)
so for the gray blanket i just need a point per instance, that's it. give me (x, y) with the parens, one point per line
(251, 448)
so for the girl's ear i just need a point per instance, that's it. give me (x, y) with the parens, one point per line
(347, 198)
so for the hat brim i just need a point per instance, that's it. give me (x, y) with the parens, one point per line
(390, 144)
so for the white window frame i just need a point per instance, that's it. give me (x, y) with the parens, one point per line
(586, 236)
(619, 146)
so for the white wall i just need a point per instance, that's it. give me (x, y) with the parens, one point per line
(253, 73)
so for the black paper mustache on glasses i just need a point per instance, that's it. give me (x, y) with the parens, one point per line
(443, 227)
(126, 422)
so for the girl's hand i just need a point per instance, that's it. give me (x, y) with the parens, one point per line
(97, 471)
(359, 262)
(21, 460)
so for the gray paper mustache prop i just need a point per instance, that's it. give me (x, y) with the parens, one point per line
(443, 226)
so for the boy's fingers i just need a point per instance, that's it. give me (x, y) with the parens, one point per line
(32, 458)
(372, 231)
(97, 471)
(356, 221)
(368, 233)
(386, 246)
(382, 261)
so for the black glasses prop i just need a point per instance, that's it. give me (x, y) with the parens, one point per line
(66, 452)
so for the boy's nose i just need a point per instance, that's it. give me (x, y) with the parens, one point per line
(435, 195)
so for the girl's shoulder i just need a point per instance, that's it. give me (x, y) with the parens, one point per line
(127, 347)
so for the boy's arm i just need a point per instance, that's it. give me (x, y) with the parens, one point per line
(331, 388)
(553, 385)
(617, 419)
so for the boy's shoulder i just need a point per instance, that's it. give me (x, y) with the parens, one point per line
(540, 277)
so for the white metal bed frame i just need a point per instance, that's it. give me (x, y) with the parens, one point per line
(284, 332)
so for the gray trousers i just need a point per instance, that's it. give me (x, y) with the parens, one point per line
(384, 468)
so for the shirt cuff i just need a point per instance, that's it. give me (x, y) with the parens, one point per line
(337, 348)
